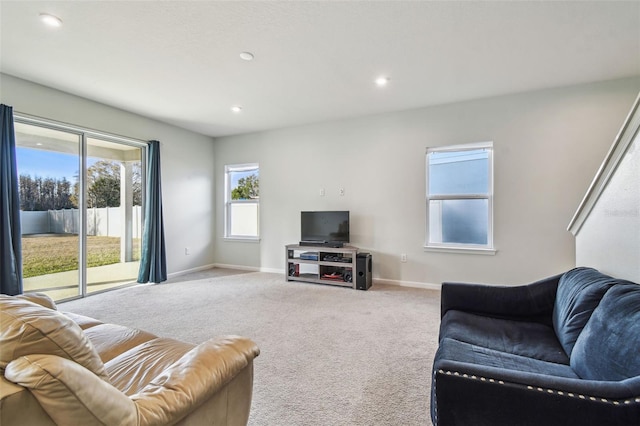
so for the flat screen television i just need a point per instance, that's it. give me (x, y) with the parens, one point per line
(329, 228)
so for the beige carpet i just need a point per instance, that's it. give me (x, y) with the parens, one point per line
(329, 355)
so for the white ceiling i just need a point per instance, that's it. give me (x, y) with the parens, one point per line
(178, 61)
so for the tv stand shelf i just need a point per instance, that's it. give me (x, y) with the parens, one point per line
(321, 264)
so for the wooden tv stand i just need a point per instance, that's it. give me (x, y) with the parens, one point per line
(322, 265)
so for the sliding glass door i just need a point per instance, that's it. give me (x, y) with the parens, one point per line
(114, 213)
(48, 162)
(81, 195)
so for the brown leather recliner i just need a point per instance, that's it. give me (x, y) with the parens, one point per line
(69, 369)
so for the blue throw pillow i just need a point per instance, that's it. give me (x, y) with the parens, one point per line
(609, 346)
(579, 292)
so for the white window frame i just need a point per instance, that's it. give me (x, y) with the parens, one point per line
(462, 247)
(228, 169)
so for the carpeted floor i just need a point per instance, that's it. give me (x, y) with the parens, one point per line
(329, 355)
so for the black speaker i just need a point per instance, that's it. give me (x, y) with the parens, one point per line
(364, 269)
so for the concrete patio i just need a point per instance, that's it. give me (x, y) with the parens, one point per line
(64, 285)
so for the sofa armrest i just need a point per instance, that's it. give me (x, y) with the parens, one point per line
(193, 379)
(69, 393)
(527, 302)
(40, 299)
(475, 394)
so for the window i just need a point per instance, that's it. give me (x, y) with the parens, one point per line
(242, 199)
(81, 194)
(460, 197)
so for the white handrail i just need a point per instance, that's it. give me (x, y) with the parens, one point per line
(621, 143)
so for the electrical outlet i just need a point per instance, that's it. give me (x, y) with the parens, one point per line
(403, 258)
(341, 191)
(322, 192)
(187, 251)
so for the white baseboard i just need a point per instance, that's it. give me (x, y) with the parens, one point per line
(237, 267)
(414, 284)
(188, 271)
(249, 268)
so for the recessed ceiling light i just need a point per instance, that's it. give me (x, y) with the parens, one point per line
(236, 108)
(51, 20)
(382, 81)
(247, 56)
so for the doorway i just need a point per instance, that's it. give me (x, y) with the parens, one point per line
(81, 202)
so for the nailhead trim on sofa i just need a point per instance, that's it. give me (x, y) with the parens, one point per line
(551, 391)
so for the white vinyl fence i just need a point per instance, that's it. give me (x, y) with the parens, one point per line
(105, 221)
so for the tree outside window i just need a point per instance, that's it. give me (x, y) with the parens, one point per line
(242, 198)
(103, 189)
(248, 188)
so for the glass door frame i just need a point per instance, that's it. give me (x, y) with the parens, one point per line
(84, 134)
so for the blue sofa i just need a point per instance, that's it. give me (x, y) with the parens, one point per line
(561, 351)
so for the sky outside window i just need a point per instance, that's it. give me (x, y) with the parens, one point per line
(43, 163)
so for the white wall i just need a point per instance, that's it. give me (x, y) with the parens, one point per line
(548, 144)
(186, 157)
(609, 239)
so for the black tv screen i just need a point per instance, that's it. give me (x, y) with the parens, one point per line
(325, 227)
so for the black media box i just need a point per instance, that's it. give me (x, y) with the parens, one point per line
(309, 255)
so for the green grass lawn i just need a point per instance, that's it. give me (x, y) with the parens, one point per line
(49, 254)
